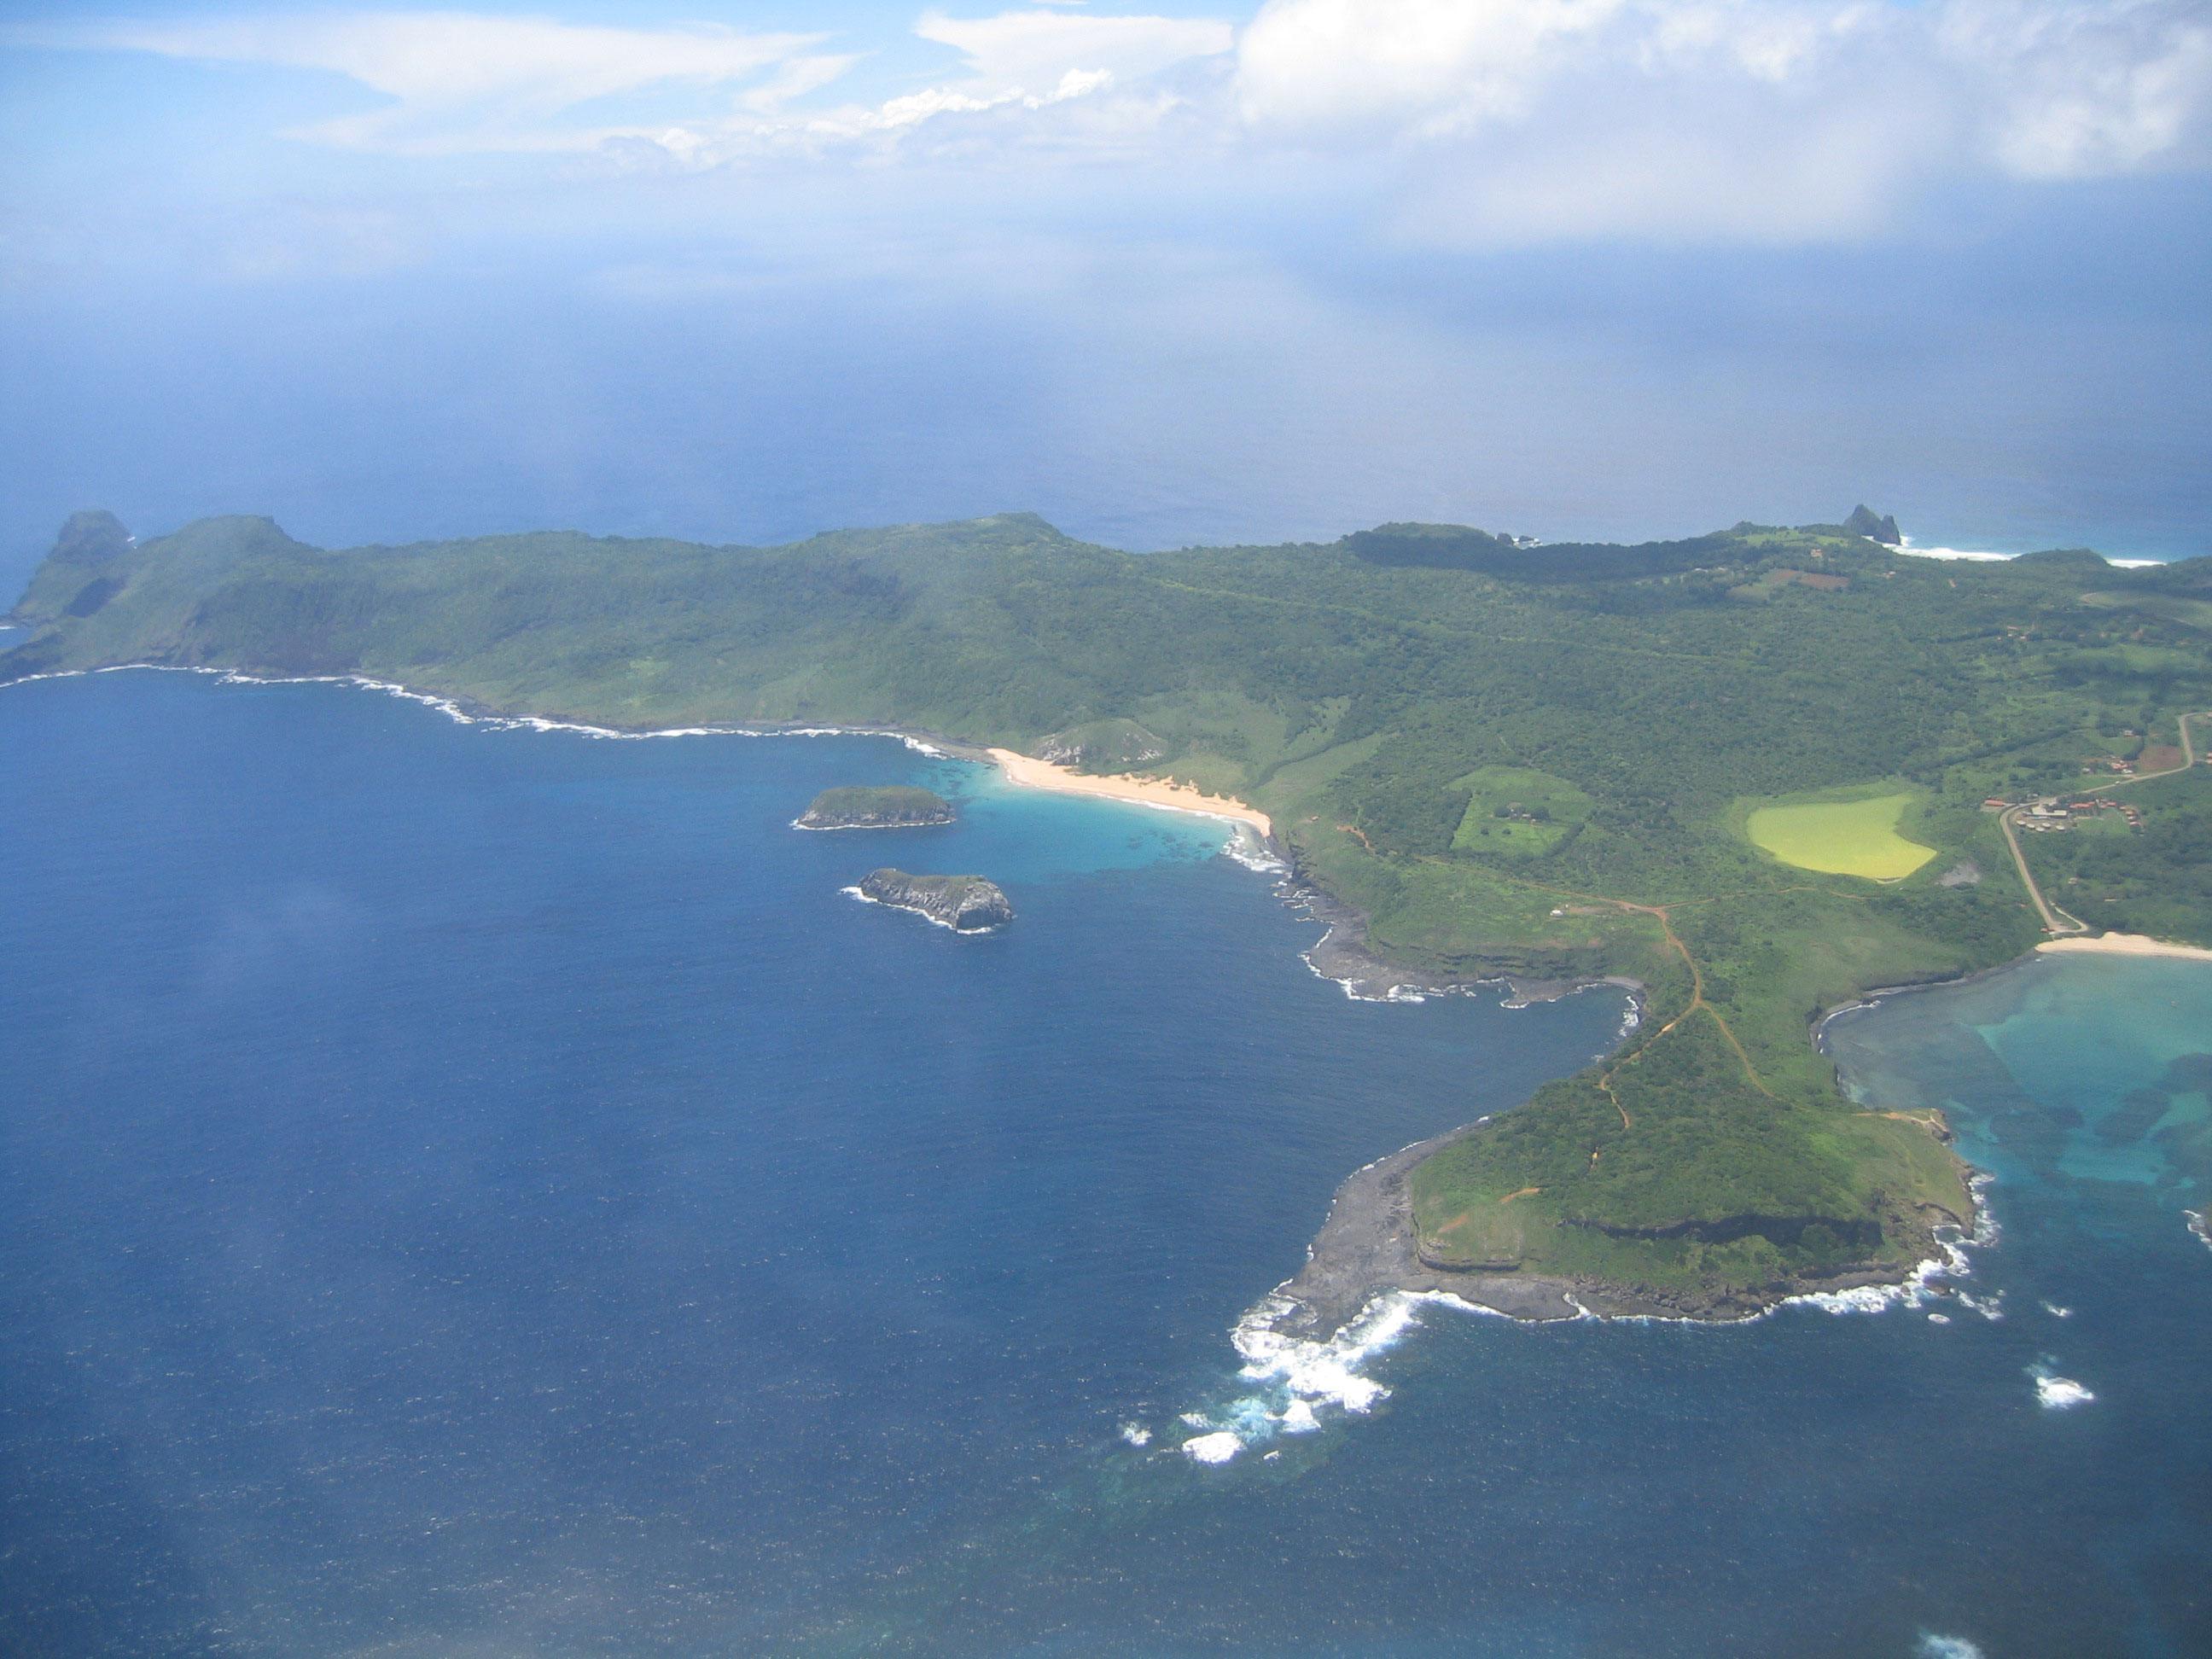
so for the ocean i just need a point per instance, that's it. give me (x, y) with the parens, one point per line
(468, 1189)
(2046, 382)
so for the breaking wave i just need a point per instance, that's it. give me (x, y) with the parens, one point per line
(1953, 1261)
(1249, 848)
(1293, 1384)
(2055, 1393)
(455, 710)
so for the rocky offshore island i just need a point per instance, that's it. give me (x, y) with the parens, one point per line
(891, 806)
(966, 904)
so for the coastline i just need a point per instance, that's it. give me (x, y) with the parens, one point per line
(2123, 945)
(1033, 774)
(1343, 957)
(1366, 1248)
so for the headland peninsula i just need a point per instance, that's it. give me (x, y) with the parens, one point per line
(1756, 772)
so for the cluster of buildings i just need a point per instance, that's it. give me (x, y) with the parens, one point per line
(2053, 813)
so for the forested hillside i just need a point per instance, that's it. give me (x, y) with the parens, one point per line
(1546, 760)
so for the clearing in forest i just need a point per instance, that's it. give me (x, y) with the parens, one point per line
(1514, 811)
(1841, 837)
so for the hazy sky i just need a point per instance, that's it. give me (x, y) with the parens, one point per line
(1565, 266)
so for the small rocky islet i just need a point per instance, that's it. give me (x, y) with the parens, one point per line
(892, 806)
(966, 904)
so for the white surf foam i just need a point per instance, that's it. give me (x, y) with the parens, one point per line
(454, 710)
(934, 921)
(1991, 1308)
(1293, 1382)
(1136, 1434)
(2058, 1312)
(1980, 556)
(2199, 1225)
(2057, 1394)
(1218, 1446)
(1932, 1646)
(1249, 848)
(1908, 549)
(1325, 1373)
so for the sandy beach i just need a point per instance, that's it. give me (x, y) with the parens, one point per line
(1148, 792)
(2127, 945)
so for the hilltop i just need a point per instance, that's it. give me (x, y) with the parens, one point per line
(1747, 769)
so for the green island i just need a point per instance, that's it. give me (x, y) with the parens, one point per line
(875, 806)
(1761, 772)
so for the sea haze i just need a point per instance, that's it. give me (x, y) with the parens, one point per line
(466, 1188)
(2044, 385)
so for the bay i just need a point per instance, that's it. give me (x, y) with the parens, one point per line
(467, 1189)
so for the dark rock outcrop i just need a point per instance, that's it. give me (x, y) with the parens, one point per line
(1862, 522)
(966, 904)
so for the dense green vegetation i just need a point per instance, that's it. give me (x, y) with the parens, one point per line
(875, 806)
(1605, 714)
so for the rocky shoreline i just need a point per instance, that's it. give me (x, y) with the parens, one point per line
(1344, 955)
(966, 904)
(1367, 1248)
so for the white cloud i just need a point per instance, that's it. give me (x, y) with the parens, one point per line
(2082, 90)
(469, 81)
(1423, 66)
(1030, 51)
(1038, 61)
(461, 82)
(1762, 120)
(1466, 121)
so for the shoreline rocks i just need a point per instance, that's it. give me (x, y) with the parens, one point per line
(1368, 1247)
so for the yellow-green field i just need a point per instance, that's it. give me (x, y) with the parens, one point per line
(1841, 838)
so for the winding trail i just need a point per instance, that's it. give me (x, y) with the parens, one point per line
(1697, 1002)
(1697, 999)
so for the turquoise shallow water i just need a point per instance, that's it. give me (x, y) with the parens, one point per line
(488, 1191)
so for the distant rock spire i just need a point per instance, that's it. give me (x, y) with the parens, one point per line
(1862, 522)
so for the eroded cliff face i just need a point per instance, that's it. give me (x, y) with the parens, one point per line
(966, 904)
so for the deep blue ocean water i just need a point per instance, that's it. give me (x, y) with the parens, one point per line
(485, 1191)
